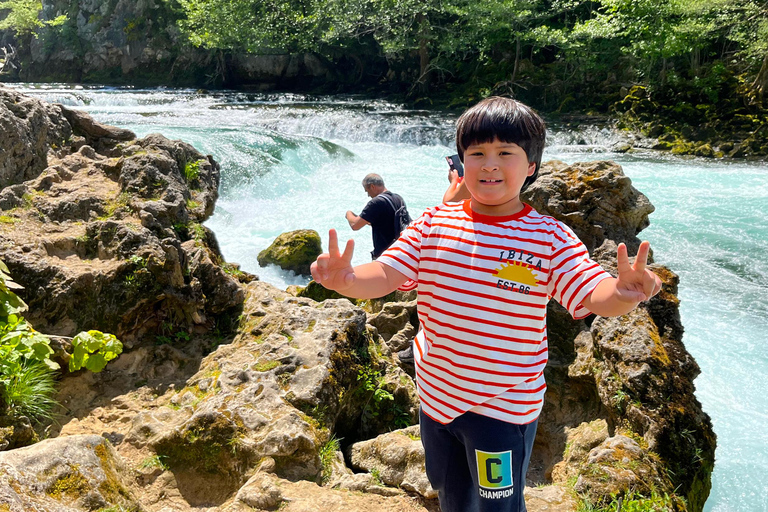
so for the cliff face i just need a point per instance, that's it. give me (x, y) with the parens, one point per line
(240, 396)
(138, 42)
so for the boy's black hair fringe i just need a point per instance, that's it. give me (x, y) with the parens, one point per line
(505, 119)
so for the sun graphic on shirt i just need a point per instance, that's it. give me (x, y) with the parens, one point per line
(517, 272)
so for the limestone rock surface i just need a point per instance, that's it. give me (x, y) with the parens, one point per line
(295, 250)
(65, 474)
(104, 230)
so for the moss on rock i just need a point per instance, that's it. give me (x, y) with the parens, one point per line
(294, 250)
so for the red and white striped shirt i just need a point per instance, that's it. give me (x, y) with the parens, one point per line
(483, 287)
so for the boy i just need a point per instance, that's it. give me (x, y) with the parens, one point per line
(486, 268)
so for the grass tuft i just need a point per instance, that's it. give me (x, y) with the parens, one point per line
(30, 392)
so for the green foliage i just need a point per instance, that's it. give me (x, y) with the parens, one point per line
(26, 370)
(155, 461)
(376, 474)
(171, 334)
(22, 16)
(566, 50)
(327, 455)
(20, 344)
(252, 25)
(633, 502)
(372, 383)
(30, 390)
(192, 171)
(93, 350)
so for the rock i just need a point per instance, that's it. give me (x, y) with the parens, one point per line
(617, 467)
(84, 125)
(295, 250)
(261, 492)
(580, 441)
(16, 432)
(621, 147)
(396, 458)
(318, 293)
(30, 129)
(106, 233)
(662, 146)
(595, 199)
(290, 377)
(65, 474)
(397, 323)
(725, 147)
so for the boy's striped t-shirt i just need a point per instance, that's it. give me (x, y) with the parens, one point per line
(483, 287)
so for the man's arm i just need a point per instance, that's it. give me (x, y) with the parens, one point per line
(457, 190)
(620, 295)
(355, 222)
(368, 281)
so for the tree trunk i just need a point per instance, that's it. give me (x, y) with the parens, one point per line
(760, 85)
(517, 60)
(424, 71)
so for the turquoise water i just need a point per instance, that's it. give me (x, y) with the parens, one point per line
(291, 162)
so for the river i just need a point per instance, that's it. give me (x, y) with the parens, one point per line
(292, 162)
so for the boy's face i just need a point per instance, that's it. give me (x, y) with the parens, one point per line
(494, 173)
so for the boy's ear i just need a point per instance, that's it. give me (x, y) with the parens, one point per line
(531, 168)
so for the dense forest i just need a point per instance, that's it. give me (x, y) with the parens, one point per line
(696, 70)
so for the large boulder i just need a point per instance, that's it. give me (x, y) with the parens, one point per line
(66, 474)
(104, 231)
(631, 372)
(30, 129)
(595, 199)
(288, 381)
(295, 250)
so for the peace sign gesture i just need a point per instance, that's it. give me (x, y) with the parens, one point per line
(333, 269)
(635, 282)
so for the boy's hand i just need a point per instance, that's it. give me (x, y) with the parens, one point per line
(635, 282)
(332, 269)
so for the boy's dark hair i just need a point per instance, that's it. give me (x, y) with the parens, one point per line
(507, 120)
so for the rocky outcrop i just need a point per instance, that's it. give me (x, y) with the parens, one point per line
(595, 199)
(65, 474)
(729, 127)
(103, 231)
(294, 251)
(30, 129)
(631, 372)
(139, 42)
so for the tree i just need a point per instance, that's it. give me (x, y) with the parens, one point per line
(23, 16)
(256, 26)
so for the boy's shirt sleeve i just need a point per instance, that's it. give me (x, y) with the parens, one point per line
(573, 275)
(405, 253)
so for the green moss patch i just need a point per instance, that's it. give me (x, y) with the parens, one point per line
(72, 485)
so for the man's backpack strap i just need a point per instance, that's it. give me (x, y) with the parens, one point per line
(400, 223)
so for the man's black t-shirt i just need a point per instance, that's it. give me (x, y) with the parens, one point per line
(380, 214)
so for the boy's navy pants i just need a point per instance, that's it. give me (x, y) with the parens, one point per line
(477, 463)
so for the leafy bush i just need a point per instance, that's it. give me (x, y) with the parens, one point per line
(192, 171)
(26, 369)
(93, 350)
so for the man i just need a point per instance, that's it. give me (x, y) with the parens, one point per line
(379, 213)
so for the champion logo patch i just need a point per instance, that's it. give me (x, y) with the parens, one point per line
(494, 471)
